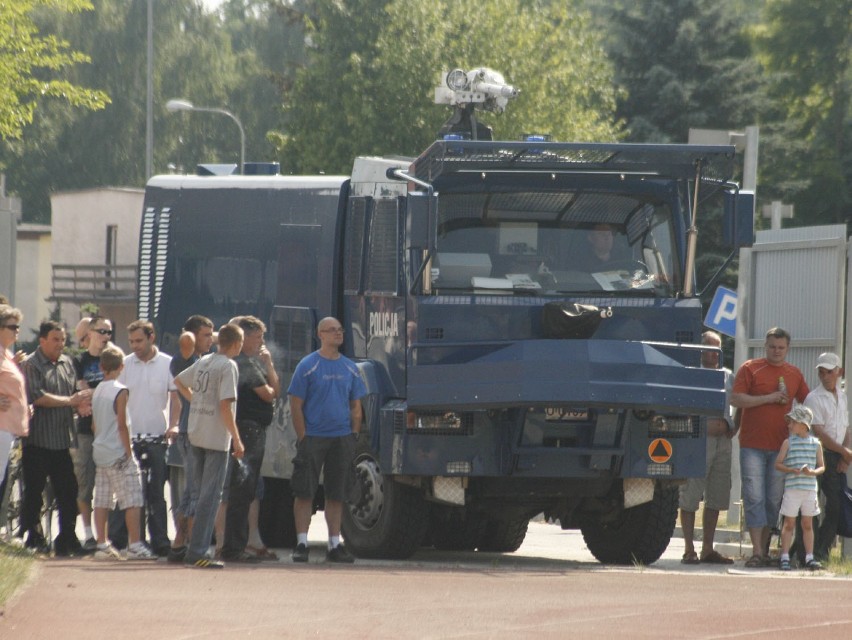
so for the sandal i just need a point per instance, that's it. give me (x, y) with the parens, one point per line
(784, 564)
(690, 558)
(714, 557)
(262, 553)
(813, 565)
(755, 562)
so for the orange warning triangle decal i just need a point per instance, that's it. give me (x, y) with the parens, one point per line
(660, 450)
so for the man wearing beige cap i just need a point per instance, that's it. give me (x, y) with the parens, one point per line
(831, 426)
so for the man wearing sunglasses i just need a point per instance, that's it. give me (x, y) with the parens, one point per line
(88, 366)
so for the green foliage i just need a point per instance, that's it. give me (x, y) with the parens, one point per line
(30, 62)
(69, 150)
(682, 64)
(806, 143)
(374, 64)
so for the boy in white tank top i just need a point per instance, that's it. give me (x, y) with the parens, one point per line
(117, 477)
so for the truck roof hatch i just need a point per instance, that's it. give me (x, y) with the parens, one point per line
(675, 161)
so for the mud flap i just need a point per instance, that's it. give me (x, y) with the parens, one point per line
(637, 491)
(448, 490)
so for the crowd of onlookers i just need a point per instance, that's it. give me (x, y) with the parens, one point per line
(109, 430)
(794, 446)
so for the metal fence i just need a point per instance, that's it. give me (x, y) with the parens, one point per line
(80, 283)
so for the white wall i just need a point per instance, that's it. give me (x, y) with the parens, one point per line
(32, 276)
(79, 222)
(80, 219)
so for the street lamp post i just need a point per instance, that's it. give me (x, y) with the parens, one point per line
(149, 97)
(186, 105)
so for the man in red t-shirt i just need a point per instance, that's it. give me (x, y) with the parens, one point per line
(764, 390)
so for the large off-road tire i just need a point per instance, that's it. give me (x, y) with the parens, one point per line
(639, 535)
(504, 535)
(454, 529)
(389, 519)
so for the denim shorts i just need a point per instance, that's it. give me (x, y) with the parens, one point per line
(763, 487)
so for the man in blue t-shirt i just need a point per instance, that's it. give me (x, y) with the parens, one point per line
(324, 395)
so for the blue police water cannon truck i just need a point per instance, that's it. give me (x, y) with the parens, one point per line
(523, 314)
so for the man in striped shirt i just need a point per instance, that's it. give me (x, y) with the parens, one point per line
(51, 389)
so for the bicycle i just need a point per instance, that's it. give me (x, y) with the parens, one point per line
(12, 503)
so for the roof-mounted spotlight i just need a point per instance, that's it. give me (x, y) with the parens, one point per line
(457, 80)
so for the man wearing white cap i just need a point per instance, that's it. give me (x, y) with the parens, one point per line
(831, 426)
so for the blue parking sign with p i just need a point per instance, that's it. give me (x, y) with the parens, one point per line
(722, 314)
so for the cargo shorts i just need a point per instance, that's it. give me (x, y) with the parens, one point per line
(331, 457)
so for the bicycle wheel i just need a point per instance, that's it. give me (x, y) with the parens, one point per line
(13, 498)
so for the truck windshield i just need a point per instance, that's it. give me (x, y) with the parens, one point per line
(555, 242)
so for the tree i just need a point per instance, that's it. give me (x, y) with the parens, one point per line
(268, 38)
(807, 144)
(373, 66)
(64, 149)
(682, 64)
(30, 62)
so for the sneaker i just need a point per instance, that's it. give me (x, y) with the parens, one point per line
(206, 563)
(784, 564)
(813, 565)
(90, 545)
(140, 552)
(177, 554)
(340, 555)
(300, 553)
(107, 552)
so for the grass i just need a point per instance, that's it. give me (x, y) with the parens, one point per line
(15, 566)
(837, 564)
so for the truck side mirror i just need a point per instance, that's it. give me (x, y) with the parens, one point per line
(421, 221)
(738, 222)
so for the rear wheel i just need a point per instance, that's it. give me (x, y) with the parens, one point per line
(389, 519)
(638, 535)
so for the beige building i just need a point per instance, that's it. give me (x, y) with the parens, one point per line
(94, 249)
(32, 277)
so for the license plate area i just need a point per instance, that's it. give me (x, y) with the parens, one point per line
(565, 414)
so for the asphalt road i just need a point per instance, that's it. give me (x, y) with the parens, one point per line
(550, 588)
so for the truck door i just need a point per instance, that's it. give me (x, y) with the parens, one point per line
(374, 307)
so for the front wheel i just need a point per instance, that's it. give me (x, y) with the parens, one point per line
(389, 519)
(504, 535)
(638, 535)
